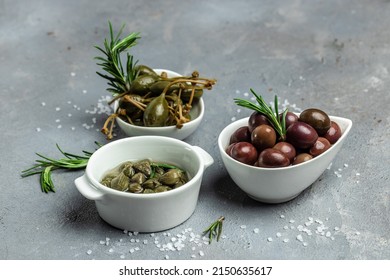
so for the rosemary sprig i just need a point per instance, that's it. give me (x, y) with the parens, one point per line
(272, 114)
(215, 229)
(119, 78)
(45, 165)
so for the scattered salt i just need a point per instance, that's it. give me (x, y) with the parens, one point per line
(243, 226)
(269, 239)
(58, 109)
(38, 129)
(285, 240)
(256, 230)
(72, 74)
(89, 252)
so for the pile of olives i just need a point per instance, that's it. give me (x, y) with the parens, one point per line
(144, 176)
(306, 137)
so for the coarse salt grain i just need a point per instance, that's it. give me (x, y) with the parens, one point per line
(256, 230)
(286, 240)
(269, 239)
(38, 129)
(89, 252)
(243, 226)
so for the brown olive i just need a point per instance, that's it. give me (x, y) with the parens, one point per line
(287, 149)
(256, 119)
(272, 158)
(302, 158)
(244, 152)
(263, 137)
(242, 134)
(316, 118)
(301, 135)
(334, 133)
(321, 145)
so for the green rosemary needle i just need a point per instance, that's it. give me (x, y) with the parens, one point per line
(215, 229)
(119, 77)
(272, 114)
(45, 165)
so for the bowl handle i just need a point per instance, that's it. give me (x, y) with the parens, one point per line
(87, 190)
(207, 158)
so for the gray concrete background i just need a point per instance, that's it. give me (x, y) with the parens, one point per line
(333, 55)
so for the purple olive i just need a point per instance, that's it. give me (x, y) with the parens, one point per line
(302, 158)
(263, 137)
(287, 149)
(257, 119)
(301, 135)
(272, 158)
(242, 134)
(334, 133)
(316, 118)
(290, 118)
(321, 145)
(244, 152)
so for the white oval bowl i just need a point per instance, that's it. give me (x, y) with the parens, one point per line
(144, 212)
(277, 185)
(196, 113)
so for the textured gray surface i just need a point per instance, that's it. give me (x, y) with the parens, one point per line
(333, 55)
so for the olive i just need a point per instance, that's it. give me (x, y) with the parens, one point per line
(229, 149)
(301, 135)
(290, 118)
(256, 119)
(320, 146)
(272, 158)
(263, 137)
(244, 152)
(316, 118)
(302, 158)
(334, 133)
(287, 149)
(242, 134)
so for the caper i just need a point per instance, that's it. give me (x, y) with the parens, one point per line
(148, 191)
(143, 166)
(144, 70)
(139, 178)
(162, 189)
(157, 112)
(120, 182)
(141, 85)
(159, 86)
(171, 177)
(135, 188)
(151, 183)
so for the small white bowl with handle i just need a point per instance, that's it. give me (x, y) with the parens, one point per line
(145, 212)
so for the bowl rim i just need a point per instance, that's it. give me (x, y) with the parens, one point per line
(106, 190)
(276, 169)
(198, 118)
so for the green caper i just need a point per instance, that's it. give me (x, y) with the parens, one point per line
(141, 85)
(151, 183)
(171, 177)
(135, 188)
(144, 70)
(158, 87)
(162, 189)
(186, 94)
(157, 112)
(148, 191)
(139, 178)
(143, 166)
(120, 182)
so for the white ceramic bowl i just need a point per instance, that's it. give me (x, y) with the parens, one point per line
(196, 113)
(276, 185)
(145, 212)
